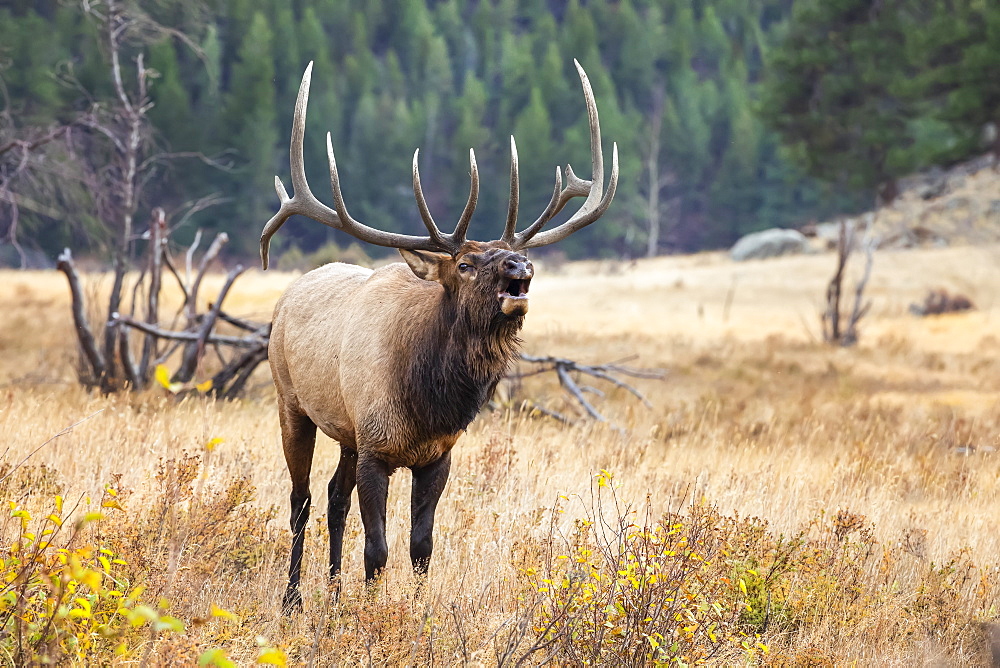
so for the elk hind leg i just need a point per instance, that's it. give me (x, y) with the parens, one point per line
(428, 484)
(298, 440)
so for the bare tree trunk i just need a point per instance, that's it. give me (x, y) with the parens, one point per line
(831, 318)
(653, 173)
(134, 113)
(834, 331)
(110, 376)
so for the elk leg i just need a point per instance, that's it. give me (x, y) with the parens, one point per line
(339, 492)
(298, 440)
(428, 483)
(373, 489)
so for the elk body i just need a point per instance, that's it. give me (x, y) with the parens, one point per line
(395, 363)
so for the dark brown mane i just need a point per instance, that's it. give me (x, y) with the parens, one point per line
(453, 367)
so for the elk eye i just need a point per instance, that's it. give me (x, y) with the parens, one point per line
(464, 267)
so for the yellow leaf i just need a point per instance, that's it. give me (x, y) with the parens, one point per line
(204, 387)
(92, 579)
(88, 518)
(168, 623)
(212, 443)
(142, 613)
(225, 614)
(272, 656)
(215, 657)
(84, 606)
(162, 375)
(111, 503)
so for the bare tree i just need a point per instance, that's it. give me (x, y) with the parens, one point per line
(656, 181)
(27, 178)
(842, 328)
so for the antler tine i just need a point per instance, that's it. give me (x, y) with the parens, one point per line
(515, 194)
(581, 218)
(303, 202)
(458, 236)
(370, 234)
(555, 205)
(425, 213)
(597, 201)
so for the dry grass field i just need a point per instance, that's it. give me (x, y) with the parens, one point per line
(783, 502)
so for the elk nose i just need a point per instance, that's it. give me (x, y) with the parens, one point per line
(518, 267)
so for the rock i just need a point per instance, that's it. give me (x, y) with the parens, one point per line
(769, 243)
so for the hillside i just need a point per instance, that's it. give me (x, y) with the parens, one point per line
(941, 207)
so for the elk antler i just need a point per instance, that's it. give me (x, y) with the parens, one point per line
(306, 204)
(597, 201)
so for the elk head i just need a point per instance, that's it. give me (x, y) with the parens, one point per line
(494, 272)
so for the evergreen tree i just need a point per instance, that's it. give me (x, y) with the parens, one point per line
(171, 113)
(830, 92)
(251, 120)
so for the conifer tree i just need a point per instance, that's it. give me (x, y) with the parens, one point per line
(252, 122)
(830, 92)
(172, 107)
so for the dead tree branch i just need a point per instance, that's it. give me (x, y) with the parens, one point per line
(569, 372)
(186, 336)
(86, 338)
(193, 351)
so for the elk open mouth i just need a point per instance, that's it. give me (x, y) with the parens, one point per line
(517, 287)
(514, 296)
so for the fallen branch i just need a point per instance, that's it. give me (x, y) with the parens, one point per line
(568, 370)
(237, 341)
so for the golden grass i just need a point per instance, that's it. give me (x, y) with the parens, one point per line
(755, 417)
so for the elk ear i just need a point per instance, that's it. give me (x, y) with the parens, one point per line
(424, 264)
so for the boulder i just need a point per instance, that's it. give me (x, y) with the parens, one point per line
(769, 243)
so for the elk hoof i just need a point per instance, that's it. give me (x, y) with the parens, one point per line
(291, 602)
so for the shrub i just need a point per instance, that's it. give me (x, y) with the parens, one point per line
(657, 592)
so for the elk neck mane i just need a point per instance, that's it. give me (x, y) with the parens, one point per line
(452, 362)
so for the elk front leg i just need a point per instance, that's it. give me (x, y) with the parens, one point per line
(298, 440)
(373, 489)
(339, 492)
(428, 483)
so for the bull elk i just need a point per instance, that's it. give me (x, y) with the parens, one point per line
(394, 364)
